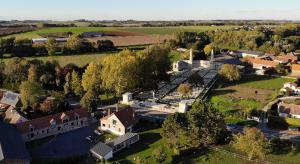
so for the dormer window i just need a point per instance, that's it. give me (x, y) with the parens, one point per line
(52, 123)
(64, 118)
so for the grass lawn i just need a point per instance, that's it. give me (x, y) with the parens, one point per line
(175, 56)
(149, 141)
(265, 82)
(293, 122)
(228, 104)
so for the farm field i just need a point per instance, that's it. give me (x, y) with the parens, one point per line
(251, 92)
(134, 40)
(79, 60)
(172, 30)
(141, 30)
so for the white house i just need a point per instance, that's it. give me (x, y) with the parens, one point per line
(291, 87)
(289, 110)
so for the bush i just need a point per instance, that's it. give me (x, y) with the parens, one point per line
(281, 145)
(277, 123)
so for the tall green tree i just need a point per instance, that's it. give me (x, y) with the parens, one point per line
(51, 46)
(68, 85)
(30, 92)
(230, 72)
(252, 142)
(76, 84)
(89, 100)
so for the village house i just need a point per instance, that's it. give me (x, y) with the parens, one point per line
(53, 124)
(12, 147)
(119, 122)
(262, 65)
(289, 58)
(289, 110)
(293, 88)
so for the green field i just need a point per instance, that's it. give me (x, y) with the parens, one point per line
(143, 30)
(264, 82)
(75, 30)
(172, 30)
(79, 60)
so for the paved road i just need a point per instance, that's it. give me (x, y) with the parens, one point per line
(65, 145)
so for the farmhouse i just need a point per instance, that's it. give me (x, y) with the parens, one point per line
(53, 124)
(120, 122)
(289, 110)
(12, 147)
(289, 58)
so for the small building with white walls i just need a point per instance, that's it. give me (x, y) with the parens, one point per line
(183, 106)
(127, 98)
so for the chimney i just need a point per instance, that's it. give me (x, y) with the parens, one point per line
(108, 112)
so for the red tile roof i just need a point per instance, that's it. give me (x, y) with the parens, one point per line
(127, 117)
(287, 58)
(44, 122)
(289, 108)
(263, 62)
(296, 67)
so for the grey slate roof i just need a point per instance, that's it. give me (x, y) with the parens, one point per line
(101, 149)
(11, 144)
(121, 139)
(10, 98)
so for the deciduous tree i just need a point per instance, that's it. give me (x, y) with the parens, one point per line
(230, 72)
(252, 142)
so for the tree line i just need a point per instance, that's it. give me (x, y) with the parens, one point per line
(114, 74)
(75, 44)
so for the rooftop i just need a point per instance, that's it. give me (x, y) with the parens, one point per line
(101, 149)
(11, 144)
(44, 122)
(121, 139)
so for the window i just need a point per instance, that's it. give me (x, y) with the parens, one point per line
(103, 125)
(108, 125)
(58, 128)
(119, 129)
(42, 131)
(77, 118)
(65, 121)
(31, 129)
(114, 122)
(72, 123)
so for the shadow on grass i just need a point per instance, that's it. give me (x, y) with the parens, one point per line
(222, 92)
(188, 156)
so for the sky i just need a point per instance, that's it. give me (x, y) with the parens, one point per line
(149, 9)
